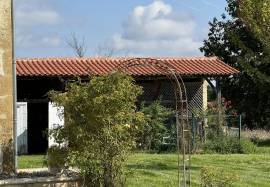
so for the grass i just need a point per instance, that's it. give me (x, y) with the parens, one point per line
(160, 170)
(31, 161)
(260, 137)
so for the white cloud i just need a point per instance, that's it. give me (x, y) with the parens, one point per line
(157, 29)
(33, 13)
(36, 17)
(31, 17)
(32, 40)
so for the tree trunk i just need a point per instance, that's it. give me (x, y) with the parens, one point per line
(108, 175)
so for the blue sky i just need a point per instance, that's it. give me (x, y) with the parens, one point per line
(127, 27)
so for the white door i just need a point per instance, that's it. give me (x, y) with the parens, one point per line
(22, 145)
(55, 120)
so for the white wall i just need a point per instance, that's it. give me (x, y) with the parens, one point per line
(22, 142)
(55, 119)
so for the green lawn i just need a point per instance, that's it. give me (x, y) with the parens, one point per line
(31, 161)
(160, 169)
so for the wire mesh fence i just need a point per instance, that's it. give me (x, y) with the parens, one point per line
(209, 126)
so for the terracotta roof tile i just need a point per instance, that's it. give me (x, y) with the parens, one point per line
(102, 65)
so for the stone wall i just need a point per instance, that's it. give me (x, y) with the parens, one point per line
(42, 182)
(6, 99)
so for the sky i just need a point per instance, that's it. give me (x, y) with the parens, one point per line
(123, 27)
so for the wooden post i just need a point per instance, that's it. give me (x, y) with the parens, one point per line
(6, 88)
(240, 127)
(219, 102)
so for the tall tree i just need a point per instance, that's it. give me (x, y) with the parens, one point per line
(239, 43)
(256, 15)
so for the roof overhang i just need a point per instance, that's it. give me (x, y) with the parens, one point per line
(85, 67)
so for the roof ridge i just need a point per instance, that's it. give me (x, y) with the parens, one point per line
(117, 58)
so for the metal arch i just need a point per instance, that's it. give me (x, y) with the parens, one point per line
(181, 108)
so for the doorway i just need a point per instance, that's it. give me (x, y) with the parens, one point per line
(37, 128)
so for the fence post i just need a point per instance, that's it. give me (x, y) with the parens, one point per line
(240, 126)
(193, 131)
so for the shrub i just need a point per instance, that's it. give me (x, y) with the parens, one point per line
(100, 126)
(56, 158)
(150, 133)
(228, 145)
(6, 149)
(216, 177)
(247, 146)
(223, 145)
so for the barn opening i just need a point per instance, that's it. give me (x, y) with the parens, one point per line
(37, 127)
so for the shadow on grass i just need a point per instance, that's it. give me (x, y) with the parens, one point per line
(263, 143)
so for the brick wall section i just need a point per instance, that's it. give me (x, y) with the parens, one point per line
(6, 100)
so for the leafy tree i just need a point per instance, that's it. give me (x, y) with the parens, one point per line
(256, 15)
(150, 133)
(100, 125)
(232, 40)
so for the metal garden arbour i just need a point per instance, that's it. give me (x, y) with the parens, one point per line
(181, 111)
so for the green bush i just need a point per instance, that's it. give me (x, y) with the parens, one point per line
(247, 146)
(228, 145)
(150, 133)
(56, 157)
(216, 177)
(101, 121)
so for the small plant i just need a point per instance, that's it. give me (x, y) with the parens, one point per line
(216, 177)
(6, 152)
(56, 158)
(247, 146)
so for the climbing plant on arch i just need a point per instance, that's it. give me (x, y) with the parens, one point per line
(181, 110)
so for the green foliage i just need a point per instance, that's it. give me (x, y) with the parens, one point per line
(247, 146)
(56, 157)
(216, 177)
(222, 145)
(229, 145)
(100, 125)
(213, 127)
(151, 132)
(256, 15)
(234, 42)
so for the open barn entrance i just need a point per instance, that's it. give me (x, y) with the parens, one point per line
(37, 128)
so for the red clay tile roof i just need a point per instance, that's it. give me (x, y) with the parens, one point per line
(102, 65)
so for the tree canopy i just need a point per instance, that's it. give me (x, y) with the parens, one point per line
(241, 39)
